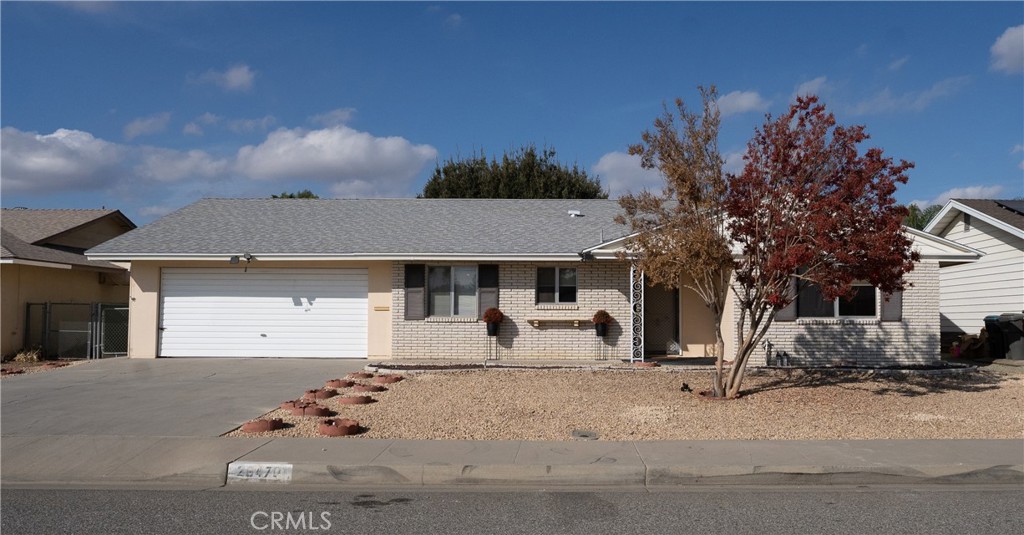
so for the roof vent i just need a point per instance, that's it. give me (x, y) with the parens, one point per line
(575, 213)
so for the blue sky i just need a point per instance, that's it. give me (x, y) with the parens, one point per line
(147, 107)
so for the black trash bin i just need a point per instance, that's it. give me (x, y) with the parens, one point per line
(1012, 329)
(996, 349)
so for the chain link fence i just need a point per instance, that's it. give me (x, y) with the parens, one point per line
(77, 330)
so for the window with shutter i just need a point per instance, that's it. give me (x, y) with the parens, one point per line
(415, 292)
(488, 279)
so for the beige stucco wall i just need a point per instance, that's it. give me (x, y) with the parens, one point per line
(698, 323)
(145, 301)
(22, 284)
(601, 285)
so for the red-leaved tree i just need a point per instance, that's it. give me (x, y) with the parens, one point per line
(809, 207)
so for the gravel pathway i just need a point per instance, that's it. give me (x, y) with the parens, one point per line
(648, 405)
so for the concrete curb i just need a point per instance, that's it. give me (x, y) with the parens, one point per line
(659, 477)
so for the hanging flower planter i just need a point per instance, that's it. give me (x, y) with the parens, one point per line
(339, 427)
(493, 318)
(369, 388)
(601, 321)
(262, 426)
(322, 393)
(387, 379)
(339, 383)
(355, 400)
(359, 375)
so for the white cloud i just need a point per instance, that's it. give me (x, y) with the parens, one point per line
(63, 160)
(349, 160)
(811, 87)
(192, 129)
(1017, 148)
(453, 21)
(147, 125)
(734, 162)
(334, 117)
(621, 173)
(970, 192)
(335, 154)
(741, 102)
(243, 126)
(1008, 51)
(898, 64)
(155, 211)
(236, 78)
(167, 165)
(885, 101)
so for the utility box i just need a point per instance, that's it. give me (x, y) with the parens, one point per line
(1011, 326)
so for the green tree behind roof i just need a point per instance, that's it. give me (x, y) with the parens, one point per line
(918, 217)
(304, 194)
(522, 174)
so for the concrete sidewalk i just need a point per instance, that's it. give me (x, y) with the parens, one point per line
(205, 462)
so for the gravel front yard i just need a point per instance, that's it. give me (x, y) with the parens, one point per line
(648, 405)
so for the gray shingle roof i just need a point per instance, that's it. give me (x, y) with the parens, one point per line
(1001, 210)
(373, 227)
(13, 247)
(34, 225)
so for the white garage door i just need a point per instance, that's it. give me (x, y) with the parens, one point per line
(319, 313)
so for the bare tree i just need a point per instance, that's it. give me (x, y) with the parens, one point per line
(679, 236)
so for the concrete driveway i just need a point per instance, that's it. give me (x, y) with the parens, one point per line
(157, 397)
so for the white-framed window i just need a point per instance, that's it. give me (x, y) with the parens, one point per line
(452, 290)
(556, 285)
(811, 304)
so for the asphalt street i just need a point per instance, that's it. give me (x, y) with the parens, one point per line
(932, 510)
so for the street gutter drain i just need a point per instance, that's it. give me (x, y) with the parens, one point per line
(584, 435)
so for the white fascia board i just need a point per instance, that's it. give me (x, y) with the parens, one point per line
(22, 262)
(934, 226)
(256, 257)
(608, 243)
(959, 249)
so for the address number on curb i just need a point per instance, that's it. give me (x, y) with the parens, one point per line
(259, 472)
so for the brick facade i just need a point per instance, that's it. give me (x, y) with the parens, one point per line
(601, 285)
(865, 342)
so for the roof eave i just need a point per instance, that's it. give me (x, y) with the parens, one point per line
(944, 218)
(364, 257)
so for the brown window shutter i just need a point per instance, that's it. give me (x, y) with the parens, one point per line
(789, 313)
(892, 310)
(487, 287)
(415, 291)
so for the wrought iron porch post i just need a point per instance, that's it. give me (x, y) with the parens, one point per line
(636, 314)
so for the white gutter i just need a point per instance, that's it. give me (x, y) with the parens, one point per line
(551, 257)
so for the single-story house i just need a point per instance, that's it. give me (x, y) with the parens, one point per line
(42, 263)
(995, 283)
(411, 278)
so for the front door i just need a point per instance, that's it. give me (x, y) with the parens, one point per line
(661, 320)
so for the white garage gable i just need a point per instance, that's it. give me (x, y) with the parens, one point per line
(263, 312)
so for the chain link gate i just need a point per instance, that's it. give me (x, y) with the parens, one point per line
(77, 330)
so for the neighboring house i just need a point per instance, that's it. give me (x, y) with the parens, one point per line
(995, 283)
(41, 262)
(410, 278)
